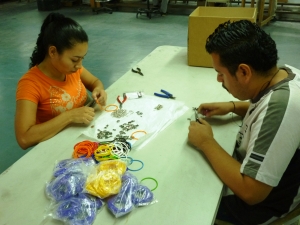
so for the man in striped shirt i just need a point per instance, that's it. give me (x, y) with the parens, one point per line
(264, 174)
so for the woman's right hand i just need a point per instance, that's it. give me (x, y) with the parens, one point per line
(216, 108)
(83, 115)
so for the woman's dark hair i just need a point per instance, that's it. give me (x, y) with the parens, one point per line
(59, 31)
(242, 42)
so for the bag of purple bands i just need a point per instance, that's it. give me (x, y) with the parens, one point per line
(81, 209)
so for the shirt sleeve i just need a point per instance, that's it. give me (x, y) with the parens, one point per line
(27, 89)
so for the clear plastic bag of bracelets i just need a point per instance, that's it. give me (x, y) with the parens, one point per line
(105, 179)
(65, 186)
(79, 209)
(73, 165)
(69, 177)
(131, 196)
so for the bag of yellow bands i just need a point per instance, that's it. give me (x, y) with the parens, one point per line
(106, 180)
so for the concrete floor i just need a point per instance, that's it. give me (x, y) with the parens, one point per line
(117, 43)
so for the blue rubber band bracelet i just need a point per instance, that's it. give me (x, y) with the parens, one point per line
(135, 160)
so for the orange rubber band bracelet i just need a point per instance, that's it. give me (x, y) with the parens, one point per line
(138, 131)
(84, 149)
(111, 110)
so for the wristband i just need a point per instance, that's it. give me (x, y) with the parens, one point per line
(233, 106)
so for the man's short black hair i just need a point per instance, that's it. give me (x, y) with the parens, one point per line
(243, 42)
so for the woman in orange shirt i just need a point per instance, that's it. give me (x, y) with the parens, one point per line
(52, 94)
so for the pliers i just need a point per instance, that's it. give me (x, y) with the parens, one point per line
(165, 95)
(138, 70)
(91, 103)
(121, 102)
(196, 115)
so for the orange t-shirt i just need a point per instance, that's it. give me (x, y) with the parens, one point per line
(52, 97)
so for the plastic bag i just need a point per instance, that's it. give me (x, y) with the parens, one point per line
(122, 204)
(106, 179)
(131, 196)
(81, 209)
(72, 165)
(142, 196)
(119, 166)
(65, 186)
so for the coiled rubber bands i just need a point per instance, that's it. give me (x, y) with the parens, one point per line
(135, 160)
(109, 151)
(135, 132)
(121, 149)
(103, 152)
(111, 110)
(84, 149)
(150, 178)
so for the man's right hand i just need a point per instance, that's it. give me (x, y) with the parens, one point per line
(216, 108)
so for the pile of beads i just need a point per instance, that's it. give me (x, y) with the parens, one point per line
(104, 134)
(158, 107)
(129, 126)
(119, 113)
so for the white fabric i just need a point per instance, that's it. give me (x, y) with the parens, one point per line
(152, 120)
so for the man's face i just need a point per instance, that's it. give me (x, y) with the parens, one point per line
(71, 59)
(229, 82)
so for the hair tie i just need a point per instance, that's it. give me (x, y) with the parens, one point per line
(111, 110)
(135, 160)
(150, 178)
(84, 149)
(138, 131)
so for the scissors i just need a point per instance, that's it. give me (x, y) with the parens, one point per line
(121, 102)
(196, 115)
(165, 95)
(138, 70)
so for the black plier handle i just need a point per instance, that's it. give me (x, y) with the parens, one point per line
(138, 70)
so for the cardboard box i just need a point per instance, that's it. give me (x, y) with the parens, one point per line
(203, 21)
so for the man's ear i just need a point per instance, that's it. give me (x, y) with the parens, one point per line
(52, 51)
(244, 73)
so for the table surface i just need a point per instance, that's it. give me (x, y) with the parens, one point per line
(188, 189)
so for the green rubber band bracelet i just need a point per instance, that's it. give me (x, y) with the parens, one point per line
(150, 178)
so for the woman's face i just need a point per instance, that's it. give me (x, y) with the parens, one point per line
(71, 59)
